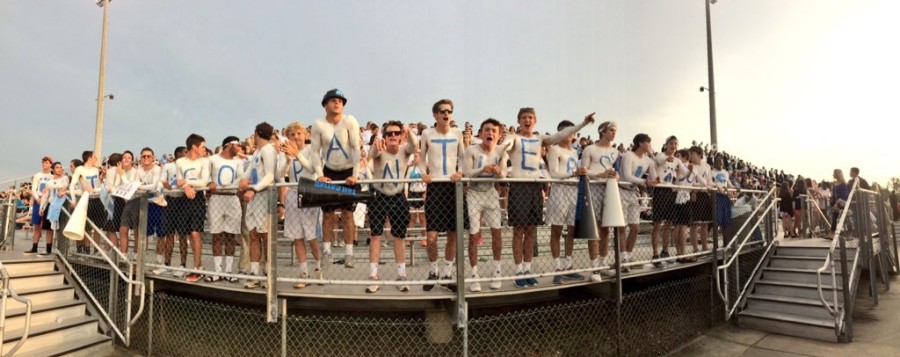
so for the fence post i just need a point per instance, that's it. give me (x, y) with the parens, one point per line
(272, 256)
(283, 327)
(150, 319)
(845, 282)
(462, 307)
(619, 298)
(714, 197)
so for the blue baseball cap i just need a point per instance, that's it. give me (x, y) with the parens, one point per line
(334, 93)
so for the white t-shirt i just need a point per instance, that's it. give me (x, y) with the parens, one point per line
(440, 153)
(336, 146)
(226, 173)
(149, 178)
(38, 182)
(170, 173)
(721, 178)
(91, 178)
(301, 167)
(194, 172)
(665, 170)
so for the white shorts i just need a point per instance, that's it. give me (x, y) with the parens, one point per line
(561, 205)
(224, 214)
(631, 206)
(483, 205)
(359, 215)
(598, 192)
(301, 223)
(257, 215)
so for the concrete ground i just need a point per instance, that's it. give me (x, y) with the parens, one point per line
(876, 332)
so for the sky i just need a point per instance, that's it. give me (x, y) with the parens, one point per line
(806, 86)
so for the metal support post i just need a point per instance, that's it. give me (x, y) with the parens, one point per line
(845, 282)
(283, 327)
(619, 297)
(272, 257)
(150, 319)
(713, 284)
(462, 308)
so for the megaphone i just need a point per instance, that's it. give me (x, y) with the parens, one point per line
(613, 215)
(75, 228)
(316, 194)
(585, 216)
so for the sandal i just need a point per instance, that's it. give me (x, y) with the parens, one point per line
(212, 278)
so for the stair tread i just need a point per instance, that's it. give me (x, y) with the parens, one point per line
(805, 320)
(23, 292)
(37, 330)
(34, 275)
(786, 299)
(59, 350)
(35, 308)
(797, 257)
(797, 285)
(795, 270)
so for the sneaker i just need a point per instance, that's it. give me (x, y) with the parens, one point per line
(475, 287)
(212, 278)
(252, 284)
(558, 279)
(496, 283)
(604, 266)
(159, 271)
(348, 262)
(573, 276)
(625, 269)
(521, 283)
(531, 281)
(30, 252)
(596, 277)
(301, 285)
(371, 289)
(403, 288)
(428, 287)
(320, 275)
(452, 286)
(179, 274)
(232, 280)
(194, 277)
(659, 264)
(664, 254)
(43, 254)
(339, 244)
(160, 201)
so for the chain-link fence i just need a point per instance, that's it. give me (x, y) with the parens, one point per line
(646, 323)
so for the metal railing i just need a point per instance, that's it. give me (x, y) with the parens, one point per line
(107, 256)
(759, 215)
(8, 291)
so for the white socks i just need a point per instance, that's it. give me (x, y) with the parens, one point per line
(229, 263)
(373, 269)
(327, 248)
(557, 264)
(569, 262)
(448, 269)
(217, 262)
(348, 248)
(254, 268)
(434, 268)
(401, 269)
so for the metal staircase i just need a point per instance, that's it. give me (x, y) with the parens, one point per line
(59, 321)
(786, 297)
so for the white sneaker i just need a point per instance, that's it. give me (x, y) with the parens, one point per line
(160, 271)
(596, 277)
(179, 273)
(371, 289)
(496, 283)
(348, 261)
(475, 287)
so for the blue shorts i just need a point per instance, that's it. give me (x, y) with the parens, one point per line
(154, 221)
(35, 214)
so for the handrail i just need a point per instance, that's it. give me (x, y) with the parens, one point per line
(746, 287)
(819, 210)
(728, 264)
(753, 214)
(8, 290)
(115, 267)
(837, 235)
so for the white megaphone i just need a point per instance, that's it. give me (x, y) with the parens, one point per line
(613, 215)
(75, 228)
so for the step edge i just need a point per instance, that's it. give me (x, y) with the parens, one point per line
(44, 307)
(794, 300)
(791, 318)
(57, 350)
(43, 329)
(797, 285)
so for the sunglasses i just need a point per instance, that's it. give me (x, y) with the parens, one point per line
(388, 134)
(445, 111)
(146, 156)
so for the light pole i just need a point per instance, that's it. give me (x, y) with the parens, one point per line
(712, 83)
(98, 128)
